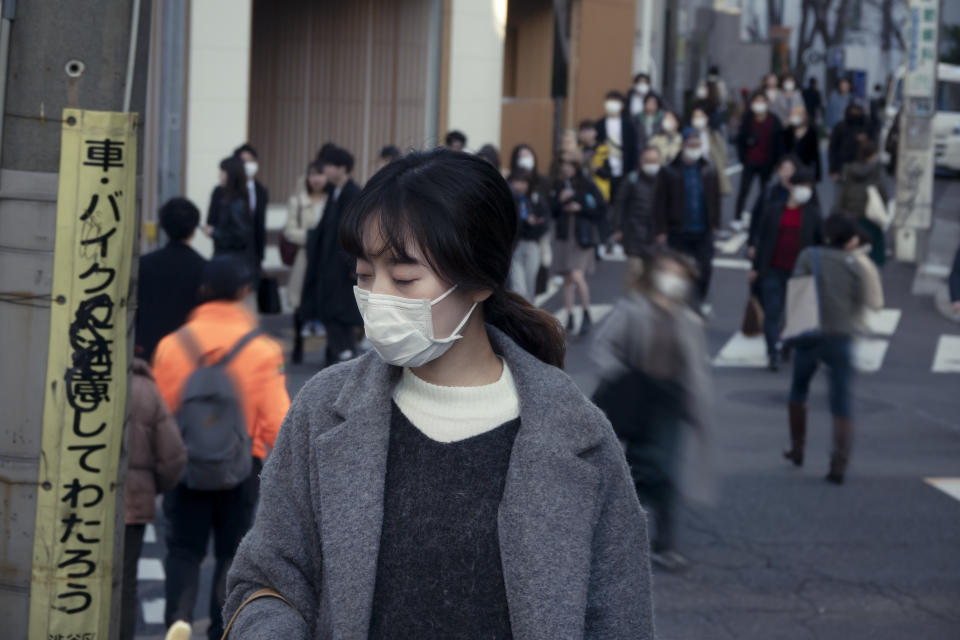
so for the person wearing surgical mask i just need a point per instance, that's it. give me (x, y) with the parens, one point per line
(786, 229)
(443, 472)
(771, 87)
(524, 159)
(649, 120)
(257, 198)
(690, 211)
(788, 98)
(653, 366)
(845, 139)
(713, 144)
(668, 140)
(801, 140)
(616, 131)
(638, 93)
(759, 145)
(635, 205)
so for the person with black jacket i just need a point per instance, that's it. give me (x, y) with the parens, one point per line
(955, 283)
(778, 190)
(634, 207)
(229, 221)
(328, 284)
(257, 199)
(168, 282)
(616, 130)
(533, 212)
(688, 208)
(800, 139)
(845, 139)
(787, 228)
(577, 206)
(759, 146)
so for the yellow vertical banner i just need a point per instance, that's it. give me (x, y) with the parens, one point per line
(86, 382)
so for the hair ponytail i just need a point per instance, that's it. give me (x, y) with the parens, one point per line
(535, 330)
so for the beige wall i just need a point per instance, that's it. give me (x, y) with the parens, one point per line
(217, 94)
(603, 54)
(475, 63)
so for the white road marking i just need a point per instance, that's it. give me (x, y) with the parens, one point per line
(150, 534)
(615, 255)
(737, 168)
(950, 486)
(150, 569)
(733, 244)
(732, 263)
(947, 359)
(883, 322)
(751, 353)
(935, 270)
(153, 611)
(597, 313)
(552, 287)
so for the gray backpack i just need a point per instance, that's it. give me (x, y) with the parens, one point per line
(212, 421)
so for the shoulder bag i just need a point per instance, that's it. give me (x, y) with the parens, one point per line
(256, 595)
(803, 304)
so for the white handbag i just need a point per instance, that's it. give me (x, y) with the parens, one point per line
(803, 304)
(876, 211)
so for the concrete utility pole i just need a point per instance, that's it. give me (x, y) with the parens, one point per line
(52, 55)
(915, 164)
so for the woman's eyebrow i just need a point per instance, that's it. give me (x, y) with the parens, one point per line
(395, 260)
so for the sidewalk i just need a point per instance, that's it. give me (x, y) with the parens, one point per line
(943, 242)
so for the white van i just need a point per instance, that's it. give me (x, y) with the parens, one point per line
(946, 121)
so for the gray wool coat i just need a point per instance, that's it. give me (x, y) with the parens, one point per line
(573, 538)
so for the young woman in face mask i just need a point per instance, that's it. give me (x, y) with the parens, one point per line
(453, 479)
(230, 222)
(655, 388)
(857, 177)
(785, 230)
(759, 145)
(787, 99)
(524, 158)
(845, 139)
(668, 140)
(801, 140)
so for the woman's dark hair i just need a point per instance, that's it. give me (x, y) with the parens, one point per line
(459, 212)
(490, 153)
(314, 167)
(515, 155)
(179, 218)
(522, 175)
(246, 147)
(613, 94)
(645, 76)
(866, 150)
(236, 186)
(655, 98)
(839, 228)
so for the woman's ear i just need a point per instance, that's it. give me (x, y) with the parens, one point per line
(481, 296)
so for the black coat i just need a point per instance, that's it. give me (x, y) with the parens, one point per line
(807, 148)
(844, 143)
(955, 278)
(331, 273)
(671, 203)
(769, 231)
(634, 211)
(772, 192)
(259, 217)
(167, 291)
(538, 206)
(629, 134)
(745, 138)
(593, 209)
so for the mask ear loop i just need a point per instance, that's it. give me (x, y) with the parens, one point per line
(455, 335)
(443, 296)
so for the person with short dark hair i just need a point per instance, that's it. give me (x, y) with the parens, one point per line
(616, 132)
(759, 145)
(168, 281)
(786, 229)
(388, 154)
(813, 101)
(647, 121)
(455, 140)
(587, 141)
(634, 221)
(857, 178)
(330, 276)
(841, 294)
(490, 153)
(845, 139)
(837, 103)
(216, 328)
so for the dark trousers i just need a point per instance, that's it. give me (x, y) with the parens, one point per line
(132, 546)
(191, 515)
(750, 172)
(773, 297)
(698, 246)
(652, 461)
(837, 353)
(297, 355)
(340, 338)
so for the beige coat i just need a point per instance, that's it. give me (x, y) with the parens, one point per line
(669, 146)
(156, 453)
(302, 216)
(718, 158)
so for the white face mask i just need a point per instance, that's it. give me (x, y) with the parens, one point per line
(699, 123)
(692, 155)
(789, 85)
(525, 162)
(802, 194)
(759, 107)
(651, 169)
(771, 94)
(669, 126)
(401, 329)
(642, 88)
(702, 92)
(612, 107)
(250, 168)
(796, 120)
(671, 285)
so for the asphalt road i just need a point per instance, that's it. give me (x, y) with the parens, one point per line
(781, 554)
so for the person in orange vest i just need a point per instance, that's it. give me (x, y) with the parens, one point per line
(221, 373)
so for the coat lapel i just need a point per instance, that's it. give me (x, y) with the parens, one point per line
(353, 458)
(548, 509)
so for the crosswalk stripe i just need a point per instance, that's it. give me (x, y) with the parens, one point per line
(883, 322)
(732, 263)
(153, 611)
(597, 313)
(950, 486)
(733, 244)
(150, 534)
(751, 353)
(150, 569)
(947, 358)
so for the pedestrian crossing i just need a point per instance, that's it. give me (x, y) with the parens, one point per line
(597, 313)
(947, 357)
(950, 486)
